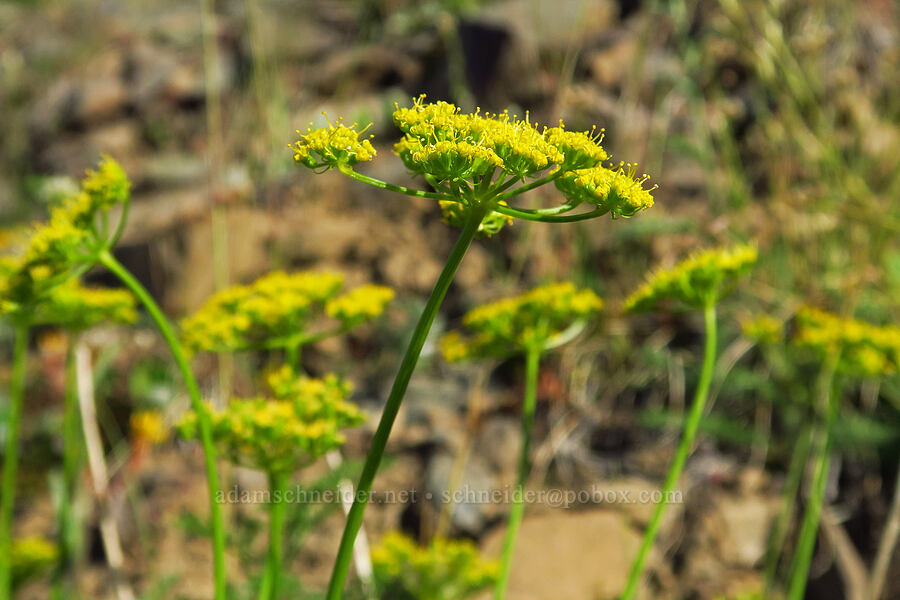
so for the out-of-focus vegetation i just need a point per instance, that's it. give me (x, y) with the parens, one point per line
(771, 121)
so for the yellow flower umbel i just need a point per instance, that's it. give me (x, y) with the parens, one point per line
(331, 146)
(863, 349)
(700, 279)
(512, 325)
(445, 570)
(279, 310)
(69, 242)
(474, 160)
(302, 420)
(75, 307)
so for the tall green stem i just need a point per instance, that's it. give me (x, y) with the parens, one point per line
(691, 426)
(392, 406)
(271, 581)
(793, 479)
(69, 522)
(203, 419)
(11, 454)
(812, 515)
(517, 510)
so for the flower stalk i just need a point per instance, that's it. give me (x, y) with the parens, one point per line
(392, 406)
(691, 425)
(516, 512)
(217, 521)
(11, 453)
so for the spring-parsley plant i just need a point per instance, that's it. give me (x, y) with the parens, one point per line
(476, 166)
(530, 324)
(852, 349)
(698, 282)
(443, 570)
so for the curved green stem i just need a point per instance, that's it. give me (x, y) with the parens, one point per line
(691, 426)
(516, 512)
(203, 420)
(548, 218)
(390, 186)
(812, 515)
(11, 454)
(392, 406)
(271, 582)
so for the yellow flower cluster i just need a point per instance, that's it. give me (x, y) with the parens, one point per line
(277, 306)
(331, 146)
(619, 191)
(30, 557)
(68, 239)
(446, 144)
(513, 324)
(76, 307)
(360, 304)
(701, 278)
(582, 150)
(300, 422)
(763, 329)
(148, 426)
(445, 570)
(864, 349)
(455, 216)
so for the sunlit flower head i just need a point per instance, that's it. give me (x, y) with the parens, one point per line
(700, 279)
(444, 570)
(863, 349)
(512, 325)
(619, 190)
(301, 420)
(332, 146)
(279, 305)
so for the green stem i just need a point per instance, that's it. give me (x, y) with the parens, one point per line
(69, 525)
(691, 426)
(11, 454)
(530, 186)
(791, 486)
(392, 406)
(549, 218)
(390, 186)
(271, 582)
(203, 418)
(516, 512)
(812, 515)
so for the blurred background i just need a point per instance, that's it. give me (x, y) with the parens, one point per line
(771, 120)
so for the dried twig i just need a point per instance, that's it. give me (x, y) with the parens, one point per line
(99, 472)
